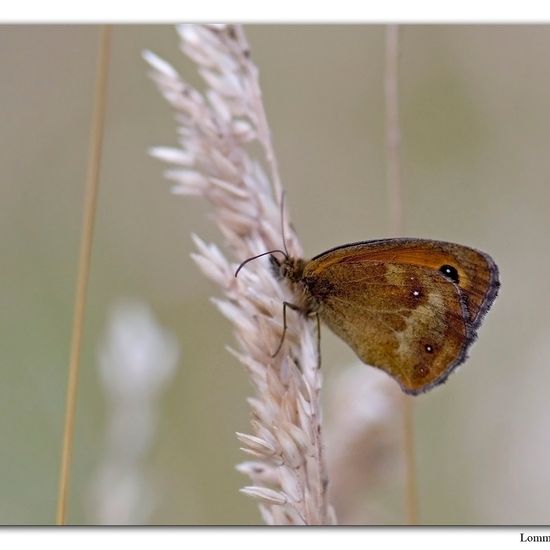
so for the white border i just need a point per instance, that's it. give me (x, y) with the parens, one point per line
(358, 538)
(250, 11)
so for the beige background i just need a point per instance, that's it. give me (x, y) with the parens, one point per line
(476, 169)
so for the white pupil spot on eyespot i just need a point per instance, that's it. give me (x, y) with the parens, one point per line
(429, 348)
(416, 293)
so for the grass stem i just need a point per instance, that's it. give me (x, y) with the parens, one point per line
(393, 155)
(90, 208)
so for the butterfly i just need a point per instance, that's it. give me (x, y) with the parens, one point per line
(410, 307)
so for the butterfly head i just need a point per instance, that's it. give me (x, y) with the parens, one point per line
(289, 268)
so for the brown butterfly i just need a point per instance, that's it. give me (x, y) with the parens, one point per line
(410, 307)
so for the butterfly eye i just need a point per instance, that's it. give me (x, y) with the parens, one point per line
(450, 272)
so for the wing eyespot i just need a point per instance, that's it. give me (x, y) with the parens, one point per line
(421, 371)
(450, 272)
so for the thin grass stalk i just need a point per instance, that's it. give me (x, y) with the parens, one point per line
(90, 208)
(393, 130)
(393, 155)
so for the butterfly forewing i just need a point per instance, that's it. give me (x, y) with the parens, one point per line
(477, 272)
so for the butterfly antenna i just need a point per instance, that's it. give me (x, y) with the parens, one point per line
(259, 256)
(283, 222)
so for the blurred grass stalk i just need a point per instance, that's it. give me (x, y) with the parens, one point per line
(364, 444)
(137, 360)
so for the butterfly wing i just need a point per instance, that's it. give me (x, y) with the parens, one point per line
(392, 302)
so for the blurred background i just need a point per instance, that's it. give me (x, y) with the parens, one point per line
(475, 108)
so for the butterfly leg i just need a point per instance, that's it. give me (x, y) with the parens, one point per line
(295, 308)
(318, 340)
